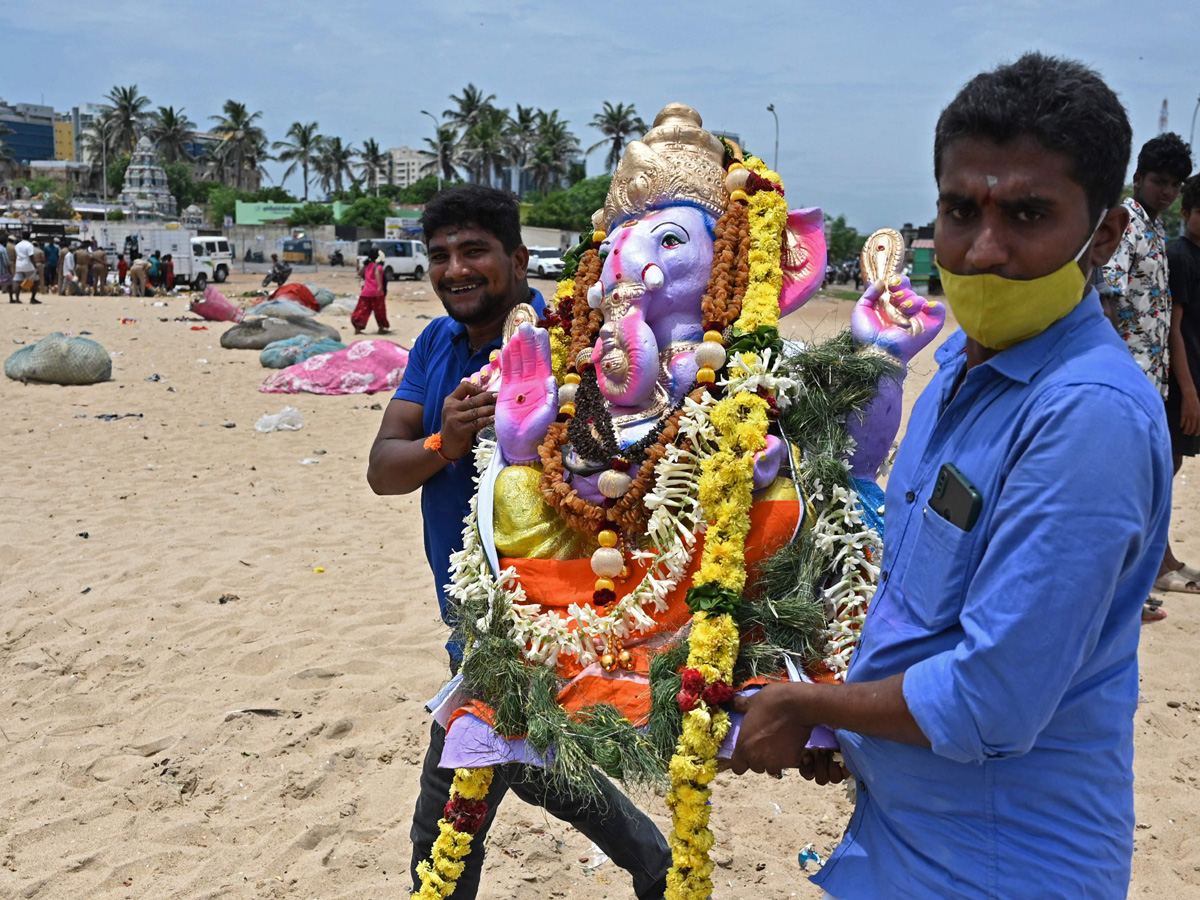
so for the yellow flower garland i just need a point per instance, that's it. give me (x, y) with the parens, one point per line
(768, 218)
(439, 875)
(725, 492)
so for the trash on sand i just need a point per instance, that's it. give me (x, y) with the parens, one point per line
(287, 419)
(807, 855)
(154, 377)
(199, 328)
(125, 321)
(309, 461)
(225, 598)
(112, 417)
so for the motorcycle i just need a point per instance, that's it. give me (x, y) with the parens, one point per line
(279, 274)
(336, 258)
(254, 256)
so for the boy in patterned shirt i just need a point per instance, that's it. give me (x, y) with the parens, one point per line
(1137, 274)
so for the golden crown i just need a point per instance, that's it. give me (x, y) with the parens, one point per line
(676, 161)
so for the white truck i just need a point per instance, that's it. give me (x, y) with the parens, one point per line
(217, 252)
(144, 238)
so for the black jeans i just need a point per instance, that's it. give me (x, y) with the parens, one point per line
(616, 826)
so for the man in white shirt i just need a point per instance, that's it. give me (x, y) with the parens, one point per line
(25, 269)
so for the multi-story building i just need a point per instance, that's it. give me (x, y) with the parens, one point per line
(408, 166)
(36, 132)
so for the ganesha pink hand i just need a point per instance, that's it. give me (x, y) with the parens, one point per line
(527, 401)
(871, 323)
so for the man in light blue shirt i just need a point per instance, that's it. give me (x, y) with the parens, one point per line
(988, 712)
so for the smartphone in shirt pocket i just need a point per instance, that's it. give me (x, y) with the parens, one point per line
(935, 579)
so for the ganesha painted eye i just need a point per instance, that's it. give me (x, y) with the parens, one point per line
(671, 239)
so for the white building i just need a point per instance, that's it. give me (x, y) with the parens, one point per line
(409, 166)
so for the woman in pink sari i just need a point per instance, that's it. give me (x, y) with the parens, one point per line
(373, 298)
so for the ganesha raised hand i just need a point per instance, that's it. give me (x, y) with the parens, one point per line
(902, 330)
(902, 323)
(527, 400)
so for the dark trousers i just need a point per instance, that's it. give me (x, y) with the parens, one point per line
(617, 827)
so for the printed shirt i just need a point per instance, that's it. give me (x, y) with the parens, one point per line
(1137, 274)
(1018, 638)
(439, 360)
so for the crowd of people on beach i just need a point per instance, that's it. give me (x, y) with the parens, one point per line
(69, 267)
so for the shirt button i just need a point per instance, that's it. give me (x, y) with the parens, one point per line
(862, 786)
(910, 496)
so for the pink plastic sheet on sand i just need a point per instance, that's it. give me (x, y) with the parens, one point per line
(216, 308)
(364, 367)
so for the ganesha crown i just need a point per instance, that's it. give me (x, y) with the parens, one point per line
(676, 161)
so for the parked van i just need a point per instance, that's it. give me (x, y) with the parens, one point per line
(400, 257)
(218, 253)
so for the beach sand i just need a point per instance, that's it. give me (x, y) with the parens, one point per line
(192, 710)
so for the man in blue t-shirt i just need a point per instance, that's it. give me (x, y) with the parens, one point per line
(477, 266)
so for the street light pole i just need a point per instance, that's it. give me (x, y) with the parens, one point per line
(1192, 136)
(771, 110)
(437, 142)
(104, 169)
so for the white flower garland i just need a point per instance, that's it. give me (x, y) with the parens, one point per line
(676, 519)
(840, 531)
(752, 371)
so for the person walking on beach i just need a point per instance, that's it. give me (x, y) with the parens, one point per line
(1138, 275)
(373, 298)
(987, 714)
(66, 271)
(25, 269)
(477, 266)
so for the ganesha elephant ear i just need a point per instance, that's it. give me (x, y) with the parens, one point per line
(803, 258)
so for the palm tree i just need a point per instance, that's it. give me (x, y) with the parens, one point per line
(470, 105)
(171, 131)
(243, 142)
(300, 151)
(126, 114)
(374, 164)
(486, 147)
(555, 146)
(522, 136)
(335, 164)
(619, 123)
(445, 152)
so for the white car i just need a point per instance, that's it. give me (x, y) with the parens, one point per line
(545, 262)
(399, 257)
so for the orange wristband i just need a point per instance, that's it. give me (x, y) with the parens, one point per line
(434, 443)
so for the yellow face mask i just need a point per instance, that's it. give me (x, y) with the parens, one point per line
(998, 312)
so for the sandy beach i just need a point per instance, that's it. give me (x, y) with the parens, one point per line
(216, 645)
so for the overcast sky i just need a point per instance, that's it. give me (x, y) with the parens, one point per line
(858, 86)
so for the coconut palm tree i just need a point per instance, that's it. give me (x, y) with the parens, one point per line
(555, 146)
(485, 147)
(171, 132)
(619, 123)
(522, 136)
(335, 164)
(374, 164)
(243, 144)
(126, 113)
(445, 153)
(470, 105)
(301, 150)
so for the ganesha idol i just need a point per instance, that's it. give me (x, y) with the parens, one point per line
(643, 470)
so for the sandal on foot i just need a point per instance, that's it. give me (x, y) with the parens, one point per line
(1152, 614)
(1177, 580)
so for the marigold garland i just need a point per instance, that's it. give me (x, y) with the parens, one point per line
(768, 218)
(726, 492)
(463, 817)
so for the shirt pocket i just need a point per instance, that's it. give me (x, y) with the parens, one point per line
(936, 575)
